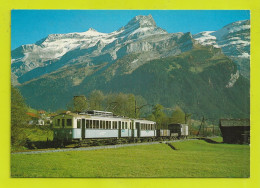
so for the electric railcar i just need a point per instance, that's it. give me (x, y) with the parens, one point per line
(100, 124)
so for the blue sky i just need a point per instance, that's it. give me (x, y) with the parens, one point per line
(29, 26)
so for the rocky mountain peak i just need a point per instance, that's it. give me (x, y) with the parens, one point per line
(91, 29)
(141, 21)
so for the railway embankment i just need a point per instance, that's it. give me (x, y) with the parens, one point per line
(95, 147)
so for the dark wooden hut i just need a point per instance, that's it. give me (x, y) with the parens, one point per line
(235, 130)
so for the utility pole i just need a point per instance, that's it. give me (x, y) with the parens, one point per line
(135, 108)
(201, 126)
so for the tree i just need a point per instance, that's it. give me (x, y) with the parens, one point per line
(121, 104)
(142, 107)
(178, 116)
(19, 118)
(80, 103)
(159, 116)
(96, 100)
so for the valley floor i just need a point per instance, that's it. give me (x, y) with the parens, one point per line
(194, 158)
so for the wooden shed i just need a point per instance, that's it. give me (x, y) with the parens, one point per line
(235, 130)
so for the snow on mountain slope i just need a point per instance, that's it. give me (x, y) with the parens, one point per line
(206, 38)
(139, 35)
(233, 39)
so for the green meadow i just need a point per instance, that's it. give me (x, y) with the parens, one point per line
(195, 158)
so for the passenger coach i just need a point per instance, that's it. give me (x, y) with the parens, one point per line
(100, 124)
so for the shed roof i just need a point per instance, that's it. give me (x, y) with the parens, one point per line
(234, 122)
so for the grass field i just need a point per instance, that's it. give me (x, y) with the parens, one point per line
(195, 158)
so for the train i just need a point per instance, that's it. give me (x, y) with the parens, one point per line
(102, 125)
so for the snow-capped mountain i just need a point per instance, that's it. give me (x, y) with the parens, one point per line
(140, 36)
(143, 59)
(233, 39)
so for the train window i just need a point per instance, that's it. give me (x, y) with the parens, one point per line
(103, 124)
(123, 125)
(95, 124)
(106, 124)
(115, 124)
(78, 123)
(126, 127)
(109, 124)
(58, 122)
(98, 124)
(91, 124)
(87, 124)
(63, 123)
(69, 122)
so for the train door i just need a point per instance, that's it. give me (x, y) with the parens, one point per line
(132, 129)
(137, 124)
(119, 129)
(83, 128)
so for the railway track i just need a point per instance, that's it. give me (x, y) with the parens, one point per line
(94, 147)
